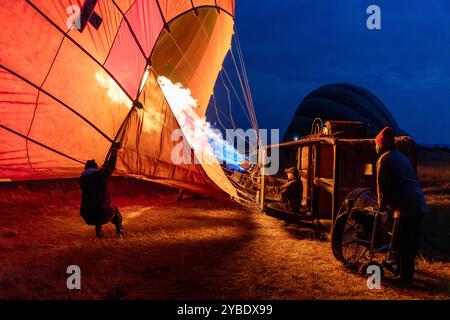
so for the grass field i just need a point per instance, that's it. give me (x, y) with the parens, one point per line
(194, 249)
(434, 173)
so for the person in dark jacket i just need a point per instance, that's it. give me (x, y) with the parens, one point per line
(292, 191)
(399, 191)
(96, 208)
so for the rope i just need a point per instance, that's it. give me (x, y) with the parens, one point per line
(241, 56)
(236, 94)
(247, 98)
(229, 101)
(238, 135)
(217, 112)
(241, 83)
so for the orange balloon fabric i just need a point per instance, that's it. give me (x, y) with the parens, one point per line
(71, 71)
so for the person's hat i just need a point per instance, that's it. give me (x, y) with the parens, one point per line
(292, 170)
(386, 138)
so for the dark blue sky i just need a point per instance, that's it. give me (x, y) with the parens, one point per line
(294, 46)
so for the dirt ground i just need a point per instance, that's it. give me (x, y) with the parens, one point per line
(194, 249)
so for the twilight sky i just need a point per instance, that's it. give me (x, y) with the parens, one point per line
(292, 47)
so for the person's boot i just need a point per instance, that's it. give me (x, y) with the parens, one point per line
(99, 232)
(119, 230)
(117, 222)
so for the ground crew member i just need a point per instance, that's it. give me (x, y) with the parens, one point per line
(292, 191)
(399, 191)
(96, 208)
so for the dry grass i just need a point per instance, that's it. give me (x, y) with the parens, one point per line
(434, 169)
(195, 249)
(434, 173)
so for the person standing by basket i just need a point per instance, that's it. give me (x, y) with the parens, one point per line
(398, 189)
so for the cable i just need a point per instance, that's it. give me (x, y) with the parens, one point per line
(236, 94)
(229, 101)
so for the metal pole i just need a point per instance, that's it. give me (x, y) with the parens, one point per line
(262, 190)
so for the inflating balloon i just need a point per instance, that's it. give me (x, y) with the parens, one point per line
(76, 76)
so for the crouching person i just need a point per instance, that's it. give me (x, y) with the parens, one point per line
(399, 189)
(96, 208)
(292, 191)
